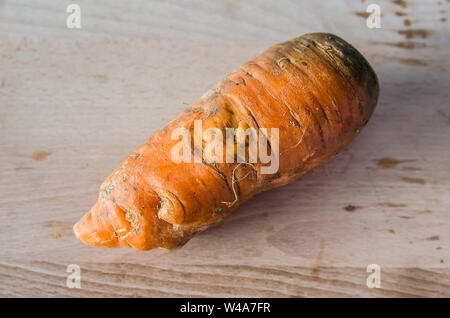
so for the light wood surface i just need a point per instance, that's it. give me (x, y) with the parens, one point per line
(74, 103)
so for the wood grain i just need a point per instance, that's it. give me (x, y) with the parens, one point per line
(74, 103)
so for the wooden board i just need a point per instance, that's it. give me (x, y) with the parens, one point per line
(74, 103)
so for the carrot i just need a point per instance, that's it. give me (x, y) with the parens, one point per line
(314, 93)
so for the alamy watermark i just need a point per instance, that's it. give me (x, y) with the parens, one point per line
(373, 20)
(374, 279)
(74, 278)
(209, 146)
(73, 20)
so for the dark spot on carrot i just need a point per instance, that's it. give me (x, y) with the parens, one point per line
(106, 191)
(218, 211)
(275, 176)
(135, 155)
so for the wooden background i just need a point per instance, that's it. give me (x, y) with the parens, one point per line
(74, 103)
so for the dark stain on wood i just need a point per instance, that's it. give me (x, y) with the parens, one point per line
(414, 180)
(40, 155)
(59, 228)
(400, 14)
(433, 238)
(406, 44)
(393, 205)
(318, 263)
(100, 78)
(415, 33)
(444, 115)
(412, 168)
(410, 61)
(407, 22)
(362, 14)
(351, 208)
(402, 3)
(391, 231)
(389, 162)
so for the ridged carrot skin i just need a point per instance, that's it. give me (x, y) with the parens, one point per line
(316, 89)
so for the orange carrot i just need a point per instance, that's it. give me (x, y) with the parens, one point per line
(316, 90)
